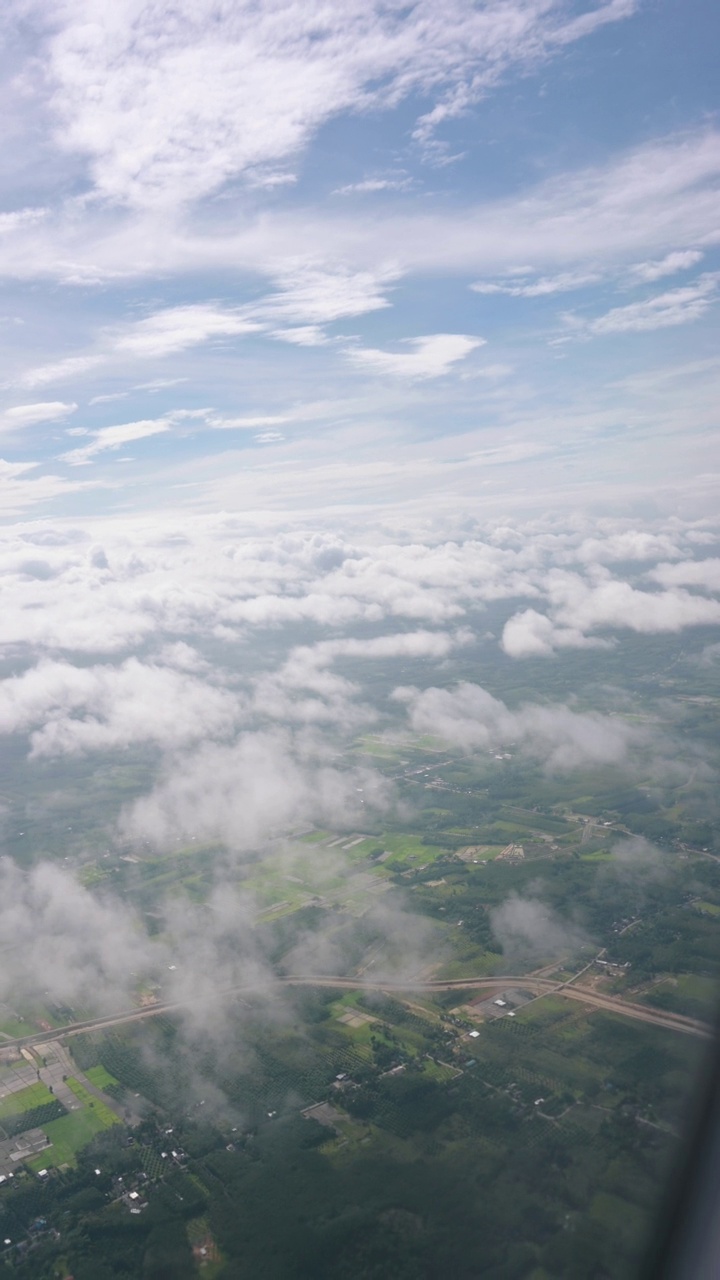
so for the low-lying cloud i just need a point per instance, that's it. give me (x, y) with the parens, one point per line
(258, 787)
(530, 931)
(471, 718)
(71, 710)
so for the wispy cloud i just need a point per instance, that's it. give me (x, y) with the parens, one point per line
(177, 328)
(675, 307)
(539, 288)
(20, 218)
(169, 112)
(369, 186)
(58, 371)
(111, 438)
(680, 260)
(430, 357)
(29, 415)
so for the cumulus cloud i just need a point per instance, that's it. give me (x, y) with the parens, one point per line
(689, 573)
(431, 357)
(69, 710)
(533, 635)
(110, 585)
(259, 786)
(628, 544)
(580, 607)
(284, 693)
(307, 660)
(471, 718)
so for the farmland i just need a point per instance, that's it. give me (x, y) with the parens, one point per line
(361, 1091)
(504, 1131)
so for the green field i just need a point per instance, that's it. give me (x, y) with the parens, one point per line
(13, 1027)
(70, 1134)
(100, 1077)
(408, 849)
(35, 1095)
(102, 1111)
(688, 993)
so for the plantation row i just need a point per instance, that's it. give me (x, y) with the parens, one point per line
(270, 1087)
(34, 1119)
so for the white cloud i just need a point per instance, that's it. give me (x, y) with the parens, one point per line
(643, 202)
(471, 718)
(107, 399)
(305, 672)
(110, 438)
(17, 218)
(62, 940)
(177, 328)
(29, 415)
(533, 635)
(679, 260)
(304, 335)
(309, 294)
(169, 112)
(542, 287)
(370, 185)
(259, 786)
(530, 931)
(629, 544)
(676, 306)
(248, 423)
(112, 584)
(69, 710)
(579, 607)
(18, 491)
(690, 573)
(317, 294)
(431, 357)
(71, 367)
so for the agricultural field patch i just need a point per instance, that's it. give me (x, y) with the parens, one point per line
(689, 993)
(34, 1095)
(100, 1077)
(408, 850)
(70, 1134)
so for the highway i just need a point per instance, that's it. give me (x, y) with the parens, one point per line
(540, 986)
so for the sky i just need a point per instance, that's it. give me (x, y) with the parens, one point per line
(360, 261)
(328, 330)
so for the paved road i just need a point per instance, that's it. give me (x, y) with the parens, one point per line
(538, 985)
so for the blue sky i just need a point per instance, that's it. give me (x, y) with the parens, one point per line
(277, 257)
